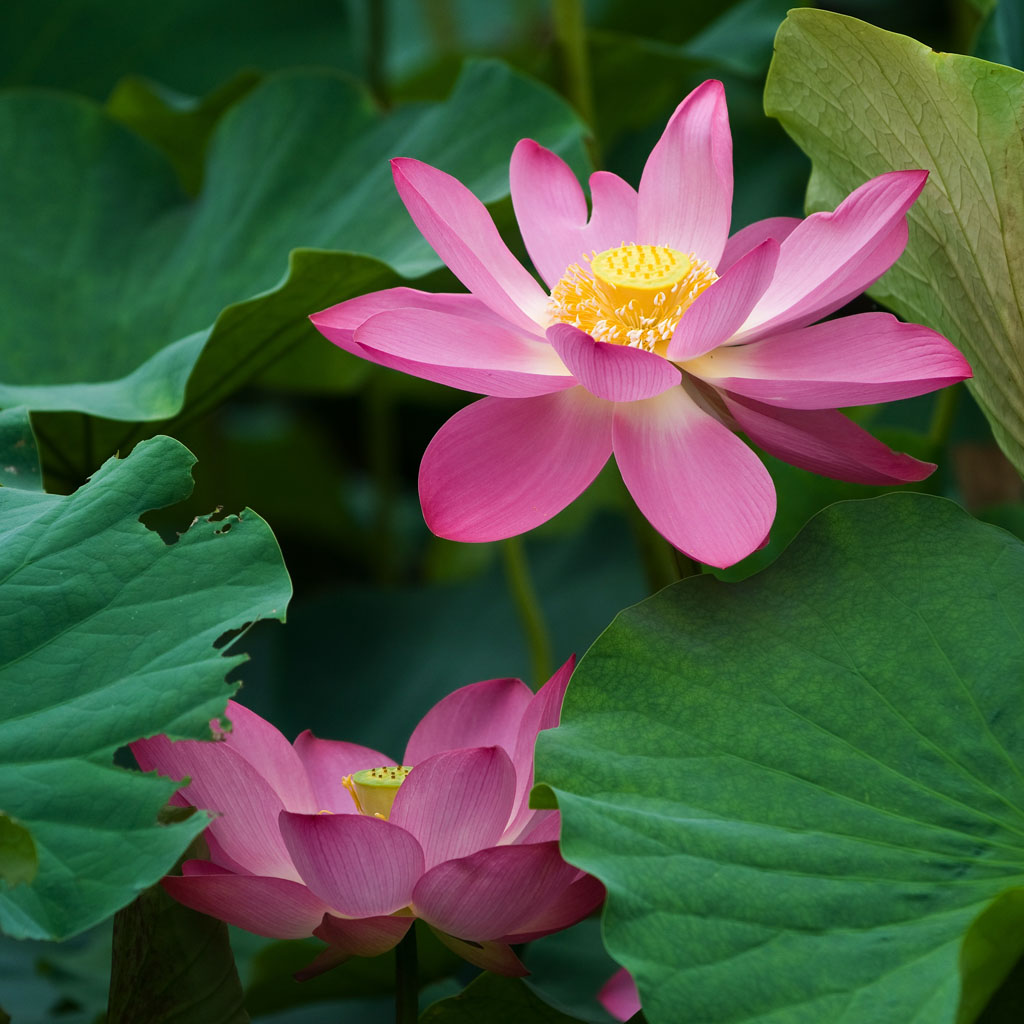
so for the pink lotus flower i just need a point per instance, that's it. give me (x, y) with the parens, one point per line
(660, 338)
(619, 995)
(291, 854)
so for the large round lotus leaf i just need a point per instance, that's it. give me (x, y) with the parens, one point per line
(859, 102)
(801, 790)
(115, 282)
(107, 634)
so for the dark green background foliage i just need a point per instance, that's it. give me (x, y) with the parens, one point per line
(180, 185)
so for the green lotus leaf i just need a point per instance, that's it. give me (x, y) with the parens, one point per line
(117, 283)
(805, 792)
(177, 124)
(19, 861)
(107, 634)
(860, 101)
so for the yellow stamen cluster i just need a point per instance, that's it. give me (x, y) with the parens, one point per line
(632, 295)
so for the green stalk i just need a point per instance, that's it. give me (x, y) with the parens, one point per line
(376, 49)
(380, 418)
(943, 414)
(407, 987)
(442, 24)
(663, 564)
(517, 571)
(685, 565)
(571, 41)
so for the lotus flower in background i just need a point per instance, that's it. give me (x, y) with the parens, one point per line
(660, 338)
(340, 841)
(619, 995)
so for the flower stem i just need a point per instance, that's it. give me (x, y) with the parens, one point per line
(442, 24)
(407, 986)
(376, 49)
(380, 416)
(571, 40)
(685, 565)
(663, 563)
(943, 414)
(517, 570)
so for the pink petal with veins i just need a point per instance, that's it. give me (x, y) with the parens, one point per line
(619, 996)
(493, 892)
(271, 755)
(338, 323)
(831, 257)
(362, 936)
(750, 237)
(490, 956)
(570, 906)
(502, 466)
(224, 782)
(540, 826)
(327, 762)
(685, 195)
(359, 866)
(721, 308)
(550, 208)
(485, 714)
(855, 360)
(618, 373)
(613, 218)
(274, 907)
(457, 802)
(826, 442)
(696, 482)
(469, 354)
(461, 232)
(543, 712)
(205, 867)
(552, 211)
